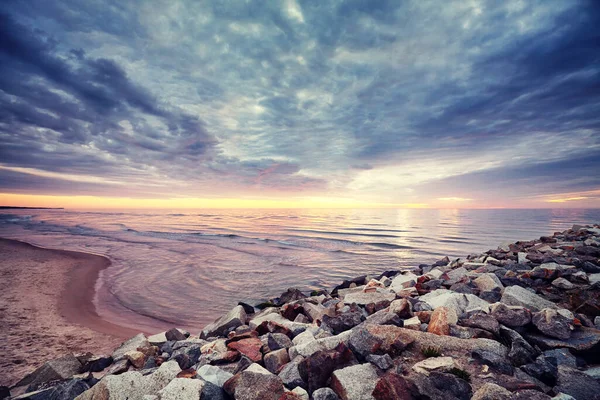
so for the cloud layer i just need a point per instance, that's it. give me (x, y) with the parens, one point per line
(480, 103)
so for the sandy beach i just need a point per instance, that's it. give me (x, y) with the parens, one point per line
(46, 308)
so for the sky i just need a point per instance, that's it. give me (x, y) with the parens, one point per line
(293, 103)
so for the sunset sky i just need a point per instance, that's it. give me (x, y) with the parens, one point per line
(296, 103)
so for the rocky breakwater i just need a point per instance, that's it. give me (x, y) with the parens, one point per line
(518, 322)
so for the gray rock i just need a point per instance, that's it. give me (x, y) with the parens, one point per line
(214, 375)
(491, 391)
(577, 384)
(403, 281)
(442, 386)
(370, 298)
(581, 340)
(255, 383)
(59, 369)
(479, 319)
(182, 389)
(495, 361)
(518, 296)
(543, 370)
(212, 392)
(529, 394)
(553, 323)
(383, 362)
(512, 316)
(324, 394)
(355, 382)
(562, 283)
(290, 374)
(276, 359)
(175, 334)
(234, 318)
(561, 357)
(132, 385)
(489, 286)
(521, 352)
(459, 302)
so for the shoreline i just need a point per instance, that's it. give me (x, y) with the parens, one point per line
(519, 321)
(50, 292)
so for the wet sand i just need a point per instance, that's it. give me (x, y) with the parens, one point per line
(47, 309)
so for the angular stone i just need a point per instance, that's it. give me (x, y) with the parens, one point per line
(542, 369)
(132, 385)
(136, 358)
(182, 389)
(356, 382)
(581, 340)
(136, 342)
(481, 320)
(249, 347)
(521, 352)
(440, 364)
(276, 359)
(403, 281)
(254, 383)
(343, 322)
(552, 323)
(491, 391)
(97, 363)
(375, 339)
(512, 316)
(401, 307)
(326, 343)
(518, 296)
(58, 369)
(324, 394)
(381, 339)
(488, 282)
(530, 394)
(394, 387)
(460, 302)
(316, 369)
(497, 362)
(562, 283)
(577, 384)
(442, 386)
(413, 323)
(228, 322)
(214, 375)
(290, 374)
(278, 320)
(383, 362)
(440, 321)
(370, 298)
(175, 334)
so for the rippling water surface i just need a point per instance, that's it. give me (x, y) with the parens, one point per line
(186, 268)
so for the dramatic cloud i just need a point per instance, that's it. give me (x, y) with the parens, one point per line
(466, 103)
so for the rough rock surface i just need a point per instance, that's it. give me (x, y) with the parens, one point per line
(516, 322)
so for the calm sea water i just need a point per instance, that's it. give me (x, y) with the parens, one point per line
(186, 268)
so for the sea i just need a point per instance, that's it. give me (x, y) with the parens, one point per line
(185, 268)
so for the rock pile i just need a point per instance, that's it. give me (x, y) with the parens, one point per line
(518, 322)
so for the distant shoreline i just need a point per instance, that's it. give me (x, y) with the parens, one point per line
(30, 208)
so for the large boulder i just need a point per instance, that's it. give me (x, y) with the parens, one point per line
(442, 386)
(316, 369)
(553, 323)
(513, 316)
(382, 339)
(132, 385)
(459, 302)
(255, 383)
(577, 384)
(182, 389)
(59, 369)
(441, 319)
(518, 296)
(214, 374)
(393, 386)
(356, 382)
(228, 322)
(583, 340)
